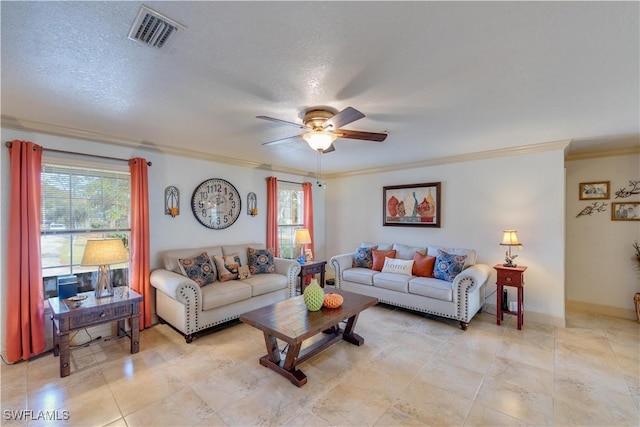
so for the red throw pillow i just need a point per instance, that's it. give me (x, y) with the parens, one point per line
(378, 258)
(423, 265)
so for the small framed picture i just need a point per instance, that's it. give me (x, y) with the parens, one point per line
(308, 255)
(594, 190)
(629, 211)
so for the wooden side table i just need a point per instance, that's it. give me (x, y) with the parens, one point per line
(510, 276)
(70, 316)
(311, 268)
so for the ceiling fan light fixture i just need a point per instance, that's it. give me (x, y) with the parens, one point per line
(319, 140)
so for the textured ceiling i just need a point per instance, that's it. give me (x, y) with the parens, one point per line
(443, 78)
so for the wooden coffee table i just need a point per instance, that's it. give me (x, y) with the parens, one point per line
(291, 322)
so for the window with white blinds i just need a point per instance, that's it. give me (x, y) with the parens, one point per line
(290, 218)
(81, 202)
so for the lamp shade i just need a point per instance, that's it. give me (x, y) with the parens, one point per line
(319, 140)
(510, 238)
(104, 252)
(302, 237)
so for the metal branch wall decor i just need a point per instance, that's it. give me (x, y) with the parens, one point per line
(624, 193)
(594, 207)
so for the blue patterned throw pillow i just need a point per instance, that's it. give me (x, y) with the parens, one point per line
(199, 269)
(261, 261)
(448, 266)
(363, 257)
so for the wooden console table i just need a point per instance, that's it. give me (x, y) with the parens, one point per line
(70, 316)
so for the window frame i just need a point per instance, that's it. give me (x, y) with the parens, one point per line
(286, 231)
(120, 227)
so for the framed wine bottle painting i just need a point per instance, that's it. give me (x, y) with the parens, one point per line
(411, 205)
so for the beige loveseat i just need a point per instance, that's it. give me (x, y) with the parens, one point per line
(189, 307)
(459, 297)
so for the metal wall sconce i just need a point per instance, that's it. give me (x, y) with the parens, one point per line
(252, 204)
(171, 201)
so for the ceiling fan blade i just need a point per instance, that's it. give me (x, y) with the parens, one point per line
(271, 119)
(356, 134)
(279, 141)
(330, 149)
(344, 117)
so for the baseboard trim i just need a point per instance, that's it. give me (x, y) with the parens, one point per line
(533, 316)
(607, 310)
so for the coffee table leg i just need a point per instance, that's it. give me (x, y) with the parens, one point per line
(273, 361)
(273, 352)
(348, 335)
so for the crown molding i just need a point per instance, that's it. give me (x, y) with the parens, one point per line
(469, 157)
(33, 126)
(606, 153)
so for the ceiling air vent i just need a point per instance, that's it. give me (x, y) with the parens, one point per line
(153, 28)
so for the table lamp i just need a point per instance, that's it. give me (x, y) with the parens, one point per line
(302, 237)
(103, 252)
(510, 238)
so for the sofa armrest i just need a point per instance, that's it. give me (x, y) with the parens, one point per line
(340, 263)
(477, 274)
(291, 269)
(176, 286)
(464, 285)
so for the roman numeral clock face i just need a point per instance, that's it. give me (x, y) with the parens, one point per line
(216, 203)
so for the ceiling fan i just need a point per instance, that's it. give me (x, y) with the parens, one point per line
(323, 127)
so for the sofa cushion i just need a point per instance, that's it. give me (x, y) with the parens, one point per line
(432, 288)
(378, 258)
(392, 281)
(363, 257)
(265, 283)
(448, 266)
(364, 276)
(261, 261)
(407, 252)
(170, 257)
(227, 266)
(379, 246)
(398, 266)
(225, 293)
(470, 253)
(198, 268)
(423, 265)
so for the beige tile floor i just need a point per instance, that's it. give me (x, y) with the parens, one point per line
(412, 370)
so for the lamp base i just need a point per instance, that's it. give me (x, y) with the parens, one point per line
(510, 265)
(302, 259)
(104, 287)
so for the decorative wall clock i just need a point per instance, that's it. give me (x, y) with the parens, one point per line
(216, 203)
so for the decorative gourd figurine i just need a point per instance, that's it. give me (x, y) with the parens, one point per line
(313, 296)
(333, 300)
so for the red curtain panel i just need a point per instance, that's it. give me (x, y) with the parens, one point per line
(25, 294)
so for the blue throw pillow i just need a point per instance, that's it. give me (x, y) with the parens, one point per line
(199, 269)
(448, 266)
(261, 261)
(363, 257)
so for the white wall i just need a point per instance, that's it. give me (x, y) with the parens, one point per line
(600, 268)
(479, 199)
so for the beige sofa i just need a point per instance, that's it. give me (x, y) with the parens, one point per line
(189, 308)
(459, 299)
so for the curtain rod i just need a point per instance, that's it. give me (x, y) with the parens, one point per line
(53, 150)
(290, 182)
